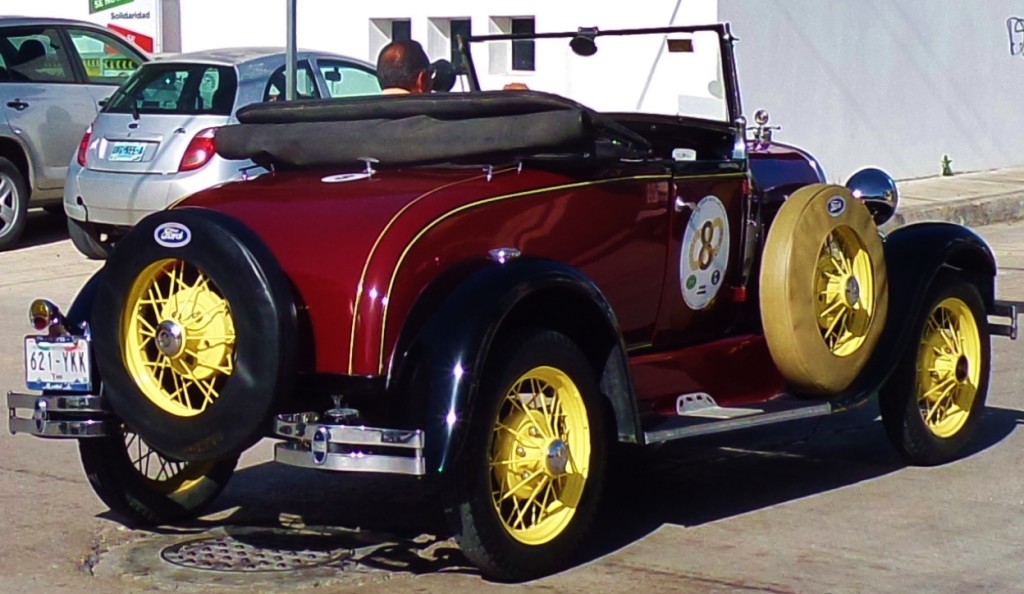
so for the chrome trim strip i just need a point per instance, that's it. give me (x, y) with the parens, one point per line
(61, 415)
(57, 402)
(65, 428)
(294, 454)
(305, 429)
(737, 423)
(312, 443)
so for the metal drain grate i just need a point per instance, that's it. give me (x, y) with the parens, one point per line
(265, 550)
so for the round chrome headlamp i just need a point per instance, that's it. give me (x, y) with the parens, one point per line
(878, 191)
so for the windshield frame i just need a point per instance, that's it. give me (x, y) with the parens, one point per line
(723, 30)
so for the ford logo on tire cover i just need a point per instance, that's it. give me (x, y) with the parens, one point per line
(836, 206)
(172, 235)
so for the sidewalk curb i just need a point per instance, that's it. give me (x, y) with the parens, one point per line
(971, 212)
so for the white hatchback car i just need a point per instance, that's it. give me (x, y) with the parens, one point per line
(153, 142)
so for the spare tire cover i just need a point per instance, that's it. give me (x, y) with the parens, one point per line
(194, 334)
(823, 288)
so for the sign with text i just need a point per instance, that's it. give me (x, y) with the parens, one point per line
(136, 20)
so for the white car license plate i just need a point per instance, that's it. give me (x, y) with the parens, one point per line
(57, 363)
(127, 151)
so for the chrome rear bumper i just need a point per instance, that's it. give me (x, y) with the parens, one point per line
(310, 443)
(63, 415)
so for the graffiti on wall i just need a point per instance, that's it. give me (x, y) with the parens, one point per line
(1015, 29)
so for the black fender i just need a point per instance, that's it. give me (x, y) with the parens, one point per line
(81, 308)
(445, 342)
(914, 254)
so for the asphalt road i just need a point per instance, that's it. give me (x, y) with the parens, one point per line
(837, 513)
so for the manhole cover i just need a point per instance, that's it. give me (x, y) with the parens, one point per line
(268, 550)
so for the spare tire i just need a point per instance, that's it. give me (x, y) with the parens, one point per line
(824, 291)
(194, 329)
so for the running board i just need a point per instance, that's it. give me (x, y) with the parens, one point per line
(718, 419)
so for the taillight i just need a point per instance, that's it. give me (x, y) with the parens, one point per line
(199, 151)
(83, 146)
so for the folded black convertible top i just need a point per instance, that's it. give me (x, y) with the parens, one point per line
(416, 129)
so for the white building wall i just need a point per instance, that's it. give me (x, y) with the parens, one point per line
(893, 83)
(354, 29)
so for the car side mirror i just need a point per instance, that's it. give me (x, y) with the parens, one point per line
(442, 76)
(332, 76)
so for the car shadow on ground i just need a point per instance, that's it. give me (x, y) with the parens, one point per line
(42, 228)
(398, 523)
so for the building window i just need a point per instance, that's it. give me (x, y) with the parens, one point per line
(523, 49)
(384, 31)
(443, 39)
(459, 28)
(401, 30)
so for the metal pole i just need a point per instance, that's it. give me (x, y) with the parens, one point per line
(290, 63)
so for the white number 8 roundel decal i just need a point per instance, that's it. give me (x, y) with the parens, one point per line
(705, 253)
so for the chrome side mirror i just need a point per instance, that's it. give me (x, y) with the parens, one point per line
(878, 191)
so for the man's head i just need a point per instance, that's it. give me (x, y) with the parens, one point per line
(404, 65)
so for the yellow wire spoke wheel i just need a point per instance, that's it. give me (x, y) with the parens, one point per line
(178, 337)
(931, 403)
(539, 456)
(141, 484)
(530, 475)
(948, 367)
(823, 288)
(163, 475)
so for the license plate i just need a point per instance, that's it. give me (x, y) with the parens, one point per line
(57, 363)
(127, 151)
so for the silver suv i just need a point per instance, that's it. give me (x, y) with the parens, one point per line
(54, 74)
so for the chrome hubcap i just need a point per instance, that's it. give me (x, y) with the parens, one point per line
(558, 457)
(8, 203)
(170, 338)
(852, 291)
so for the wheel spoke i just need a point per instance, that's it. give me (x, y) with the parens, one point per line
(939, 404)
(512, 491)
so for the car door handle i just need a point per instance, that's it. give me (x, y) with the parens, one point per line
(17, 104)
(682, 204)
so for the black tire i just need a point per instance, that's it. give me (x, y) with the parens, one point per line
(255, 367)
(949, 431)
(87, 241)
(13, 204)
(503, 551)
(139, 484)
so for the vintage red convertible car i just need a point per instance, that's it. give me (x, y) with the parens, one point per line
(491, 289)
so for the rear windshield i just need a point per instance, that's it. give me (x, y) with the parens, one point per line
(187, 89)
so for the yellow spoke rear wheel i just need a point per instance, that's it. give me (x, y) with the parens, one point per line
(540, 455)
(178, 336)
(531, 472)
(931, 406)
(146, 487)
(948, 367)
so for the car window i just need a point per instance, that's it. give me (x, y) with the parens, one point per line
(107, 60)
(189, 89)
(305, 84)
(34, 54)
(346, 80)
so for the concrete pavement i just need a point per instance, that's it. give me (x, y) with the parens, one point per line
(972, 199)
